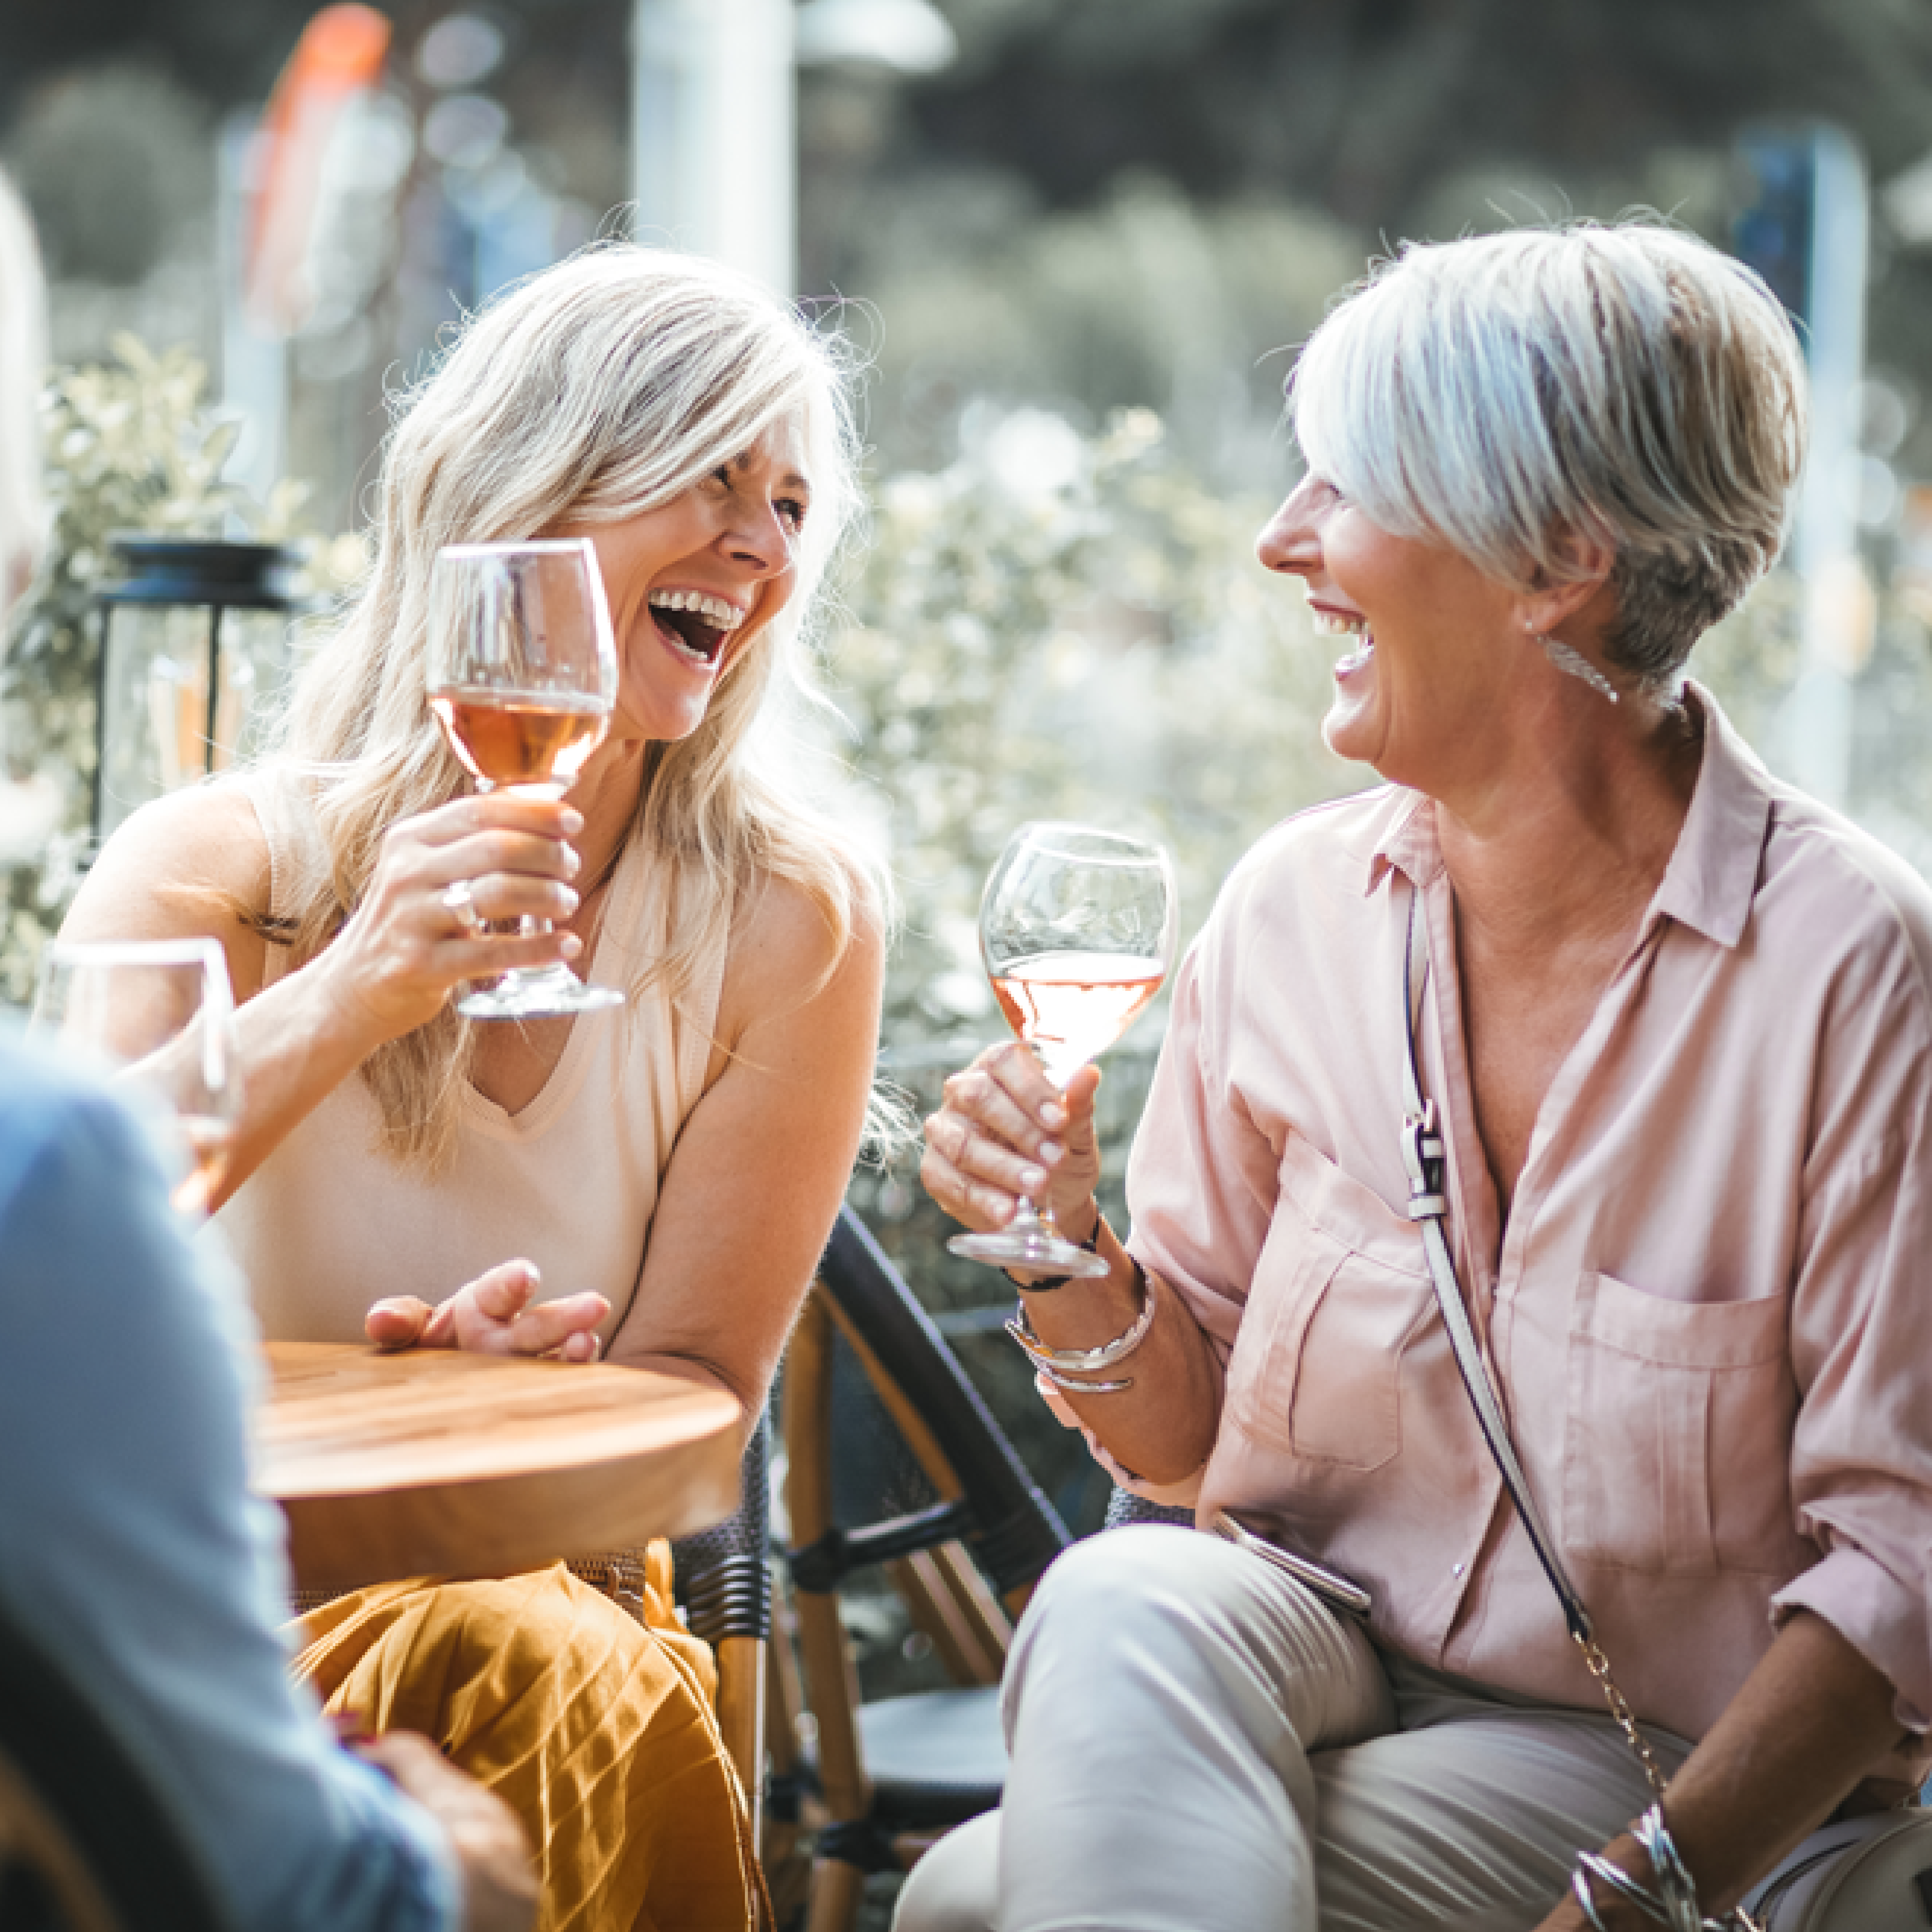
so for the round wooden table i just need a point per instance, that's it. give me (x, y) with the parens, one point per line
(433, 1462)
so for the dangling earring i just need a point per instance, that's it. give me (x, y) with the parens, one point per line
(1566, 658)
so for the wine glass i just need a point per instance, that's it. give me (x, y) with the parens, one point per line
(1077, 931)
(159, 1014)
(522, 673)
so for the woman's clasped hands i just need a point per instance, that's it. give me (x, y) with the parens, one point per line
(493, 1315)
(444, 878)
(1004, 1131)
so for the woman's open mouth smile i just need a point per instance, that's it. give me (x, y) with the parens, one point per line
(694, 624)
(1339, 624)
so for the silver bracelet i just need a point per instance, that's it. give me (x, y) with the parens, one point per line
(1060, 1365)
(1673, 1905)
(1616, 1879)
(1677, 1887)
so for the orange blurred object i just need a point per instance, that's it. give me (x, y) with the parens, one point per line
(340, 57)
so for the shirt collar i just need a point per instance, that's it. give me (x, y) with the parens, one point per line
(1712, 876)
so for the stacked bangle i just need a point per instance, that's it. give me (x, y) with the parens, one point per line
(1059, 1366)
(1673, 1904)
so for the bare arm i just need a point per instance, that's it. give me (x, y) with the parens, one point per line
(764, 1160)
(1005, 1131)
(196, 863)
(1805, 1726)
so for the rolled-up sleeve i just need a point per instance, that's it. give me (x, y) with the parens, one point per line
(1860, 1342)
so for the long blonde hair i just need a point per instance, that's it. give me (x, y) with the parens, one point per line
(604, 386)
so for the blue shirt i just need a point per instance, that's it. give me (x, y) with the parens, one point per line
(130, 1548)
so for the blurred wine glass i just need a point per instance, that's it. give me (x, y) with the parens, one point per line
(1077, 930)
(522, 673)
(159, 1016)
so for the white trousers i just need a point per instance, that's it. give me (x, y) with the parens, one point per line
(1198, 1744)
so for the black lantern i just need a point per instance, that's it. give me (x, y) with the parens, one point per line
(193, 635)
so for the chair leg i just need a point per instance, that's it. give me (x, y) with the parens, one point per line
(741, 1718)
(837, 1890)
(952, 1606)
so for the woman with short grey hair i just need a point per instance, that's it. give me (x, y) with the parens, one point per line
(1672, 1020)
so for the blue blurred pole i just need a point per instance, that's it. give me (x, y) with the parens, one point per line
(1808, 232)
(713, 141)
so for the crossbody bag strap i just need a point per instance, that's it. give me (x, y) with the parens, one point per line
(1423, 1151)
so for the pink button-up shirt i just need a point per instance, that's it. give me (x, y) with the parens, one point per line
(1710, 1315)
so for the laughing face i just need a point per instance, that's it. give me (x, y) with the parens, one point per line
(691, 583)
(1432, 643)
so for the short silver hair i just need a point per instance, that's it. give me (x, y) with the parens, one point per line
(1523, 396)
(22, 367)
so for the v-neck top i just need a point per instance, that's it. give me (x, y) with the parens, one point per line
(329, 1223)
(1710, 1315)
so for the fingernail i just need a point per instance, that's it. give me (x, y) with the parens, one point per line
(573, 821)
(572, 946)
(570, 901)
(1033, 1177)
(1048, 1150)
(1053, 1114)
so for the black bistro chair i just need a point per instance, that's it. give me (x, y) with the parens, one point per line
(892, 1459)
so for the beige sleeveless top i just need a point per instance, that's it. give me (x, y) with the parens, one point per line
(328, 1223)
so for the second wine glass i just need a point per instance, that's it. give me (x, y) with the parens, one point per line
(158, 1015)
(1077, 929)
(523, 674)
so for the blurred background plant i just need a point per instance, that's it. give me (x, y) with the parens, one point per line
(134, 444)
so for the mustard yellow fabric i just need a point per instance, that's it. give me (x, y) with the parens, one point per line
(599, 1733)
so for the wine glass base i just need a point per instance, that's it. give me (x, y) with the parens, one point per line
(1005, 1247)
(552, 991)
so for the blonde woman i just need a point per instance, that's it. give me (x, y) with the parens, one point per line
(654, 1185)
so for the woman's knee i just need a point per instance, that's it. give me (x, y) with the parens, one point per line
(955, 1886)
(1188, 1616)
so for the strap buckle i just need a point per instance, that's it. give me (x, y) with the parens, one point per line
(1422, 1152)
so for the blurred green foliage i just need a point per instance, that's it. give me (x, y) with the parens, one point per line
(134, 445)
(1059, 627)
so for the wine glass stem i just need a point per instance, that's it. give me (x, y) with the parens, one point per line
(1028, 1218)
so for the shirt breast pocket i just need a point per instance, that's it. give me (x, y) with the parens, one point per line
(1338, 1291)
(1677, 1430)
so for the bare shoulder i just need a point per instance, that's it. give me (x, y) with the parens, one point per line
(194, 862)
(785, 956)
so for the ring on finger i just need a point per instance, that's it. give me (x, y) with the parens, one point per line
(459, 899)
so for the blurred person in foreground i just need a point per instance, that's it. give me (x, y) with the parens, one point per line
(130, 1550)
(654, 1184)
(1678, 1029)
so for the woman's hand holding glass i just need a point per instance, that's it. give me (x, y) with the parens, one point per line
(523, 674)
(493, 1315)
(1006, 1134)
(409, 944)
(1077, 930)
